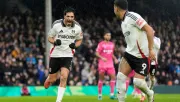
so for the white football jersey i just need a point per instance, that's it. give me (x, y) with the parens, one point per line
(67, 35)
(136, 39)
(156, 47)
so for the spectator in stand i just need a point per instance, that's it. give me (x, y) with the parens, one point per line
(25, 91)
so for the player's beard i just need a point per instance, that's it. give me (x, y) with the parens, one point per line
(69, 23)
(118, 17)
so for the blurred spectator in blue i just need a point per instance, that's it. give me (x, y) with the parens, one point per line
(31, 59)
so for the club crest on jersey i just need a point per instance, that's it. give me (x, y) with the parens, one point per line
(61, 31)
(73, 31)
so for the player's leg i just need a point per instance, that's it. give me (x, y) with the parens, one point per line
(152, 76)
(62, 86)
(136, 92)
(143, 97)
(127, 82)
(100, 82)
(66, 63)
(50, 80)
(111, 73)
(131, 75)
(124, 70)
(141, 70)
(53, 69)
(152, 82)
(140, 83)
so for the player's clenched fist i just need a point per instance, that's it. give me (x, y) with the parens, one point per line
(72, 45)
(57, 42)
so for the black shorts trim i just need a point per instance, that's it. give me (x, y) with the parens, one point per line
(139, 65)
(56, 63)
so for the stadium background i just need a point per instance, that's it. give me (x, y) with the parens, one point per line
(22, 41)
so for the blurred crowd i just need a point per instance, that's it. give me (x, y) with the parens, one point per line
(22, 47)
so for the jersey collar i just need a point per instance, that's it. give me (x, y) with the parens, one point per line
(73, 24)
(124, 15)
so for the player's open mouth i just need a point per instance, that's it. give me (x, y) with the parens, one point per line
(69, 21)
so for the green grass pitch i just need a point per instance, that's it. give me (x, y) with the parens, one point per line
(158, 98)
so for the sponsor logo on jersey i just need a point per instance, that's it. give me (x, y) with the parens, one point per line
(108, 51)
(61, 31)
(66, 36)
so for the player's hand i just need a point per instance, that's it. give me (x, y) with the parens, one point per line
(104, 59)
(57, 42)
(152, 55)
(116, 61)
(72, 45)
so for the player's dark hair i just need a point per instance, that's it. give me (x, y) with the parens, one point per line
(69, 9)
(123, 4)
(106, 31)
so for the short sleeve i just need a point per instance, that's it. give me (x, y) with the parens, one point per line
(113, 46)
(139, 22)
(157, 43)
(79, 34)
(52, 32)
(99, 48)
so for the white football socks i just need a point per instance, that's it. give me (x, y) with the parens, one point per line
(142, 85)
(152, 83)
(121, 86)
(60, 94)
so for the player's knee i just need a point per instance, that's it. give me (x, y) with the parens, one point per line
(121, 76)
(138, 82)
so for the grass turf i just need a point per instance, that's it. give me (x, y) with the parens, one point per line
(158, 98)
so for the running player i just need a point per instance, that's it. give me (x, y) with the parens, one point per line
(65, 36)
(139, 38)
(105, 54)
